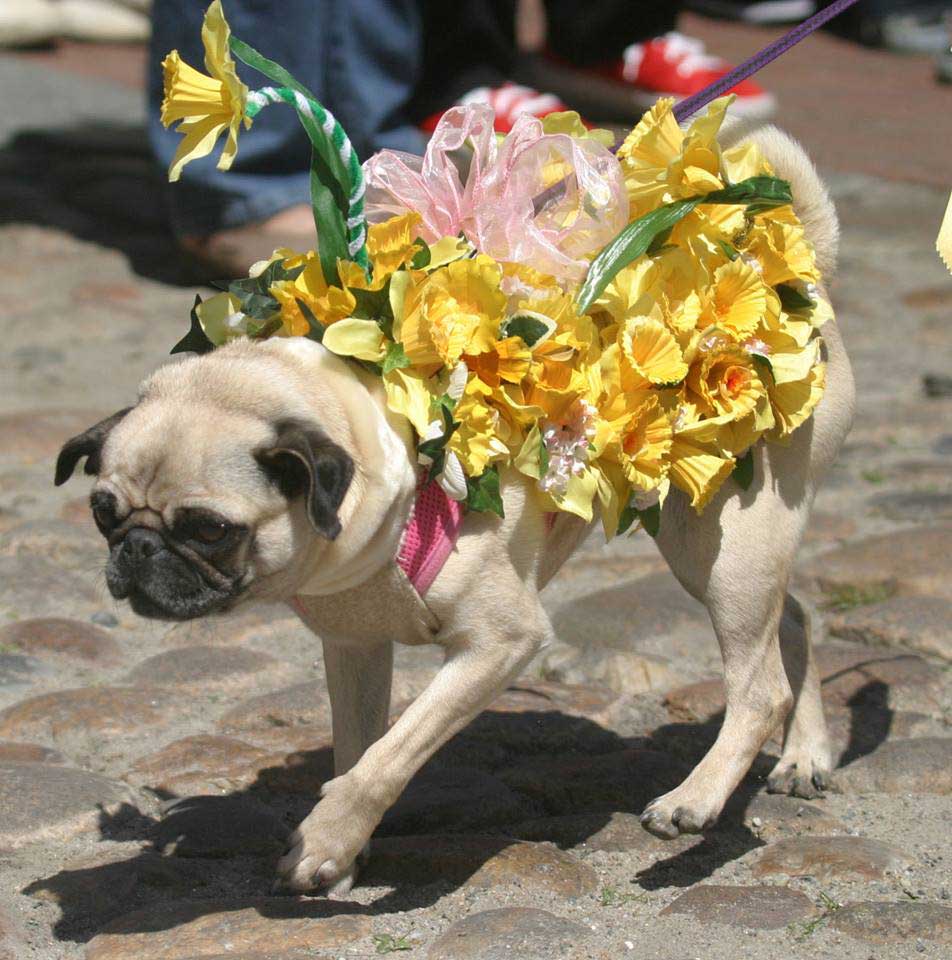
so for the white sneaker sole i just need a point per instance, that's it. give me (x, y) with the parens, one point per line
(771, 11)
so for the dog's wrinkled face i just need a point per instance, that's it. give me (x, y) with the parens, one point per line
(202, 505)
(195, 567)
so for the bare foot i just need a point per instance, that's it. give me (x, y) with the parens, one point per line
(231, 252)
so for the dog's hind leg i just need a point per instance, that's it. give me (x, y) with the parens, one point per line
(735, 559)
(805, 763)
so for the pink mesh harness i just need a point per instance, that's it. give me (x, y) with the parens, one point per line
(429, 536)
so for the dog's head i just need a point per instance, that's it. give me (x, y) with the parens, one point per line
(222, 482)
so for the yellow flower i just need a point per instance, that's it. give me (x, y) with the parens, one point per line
(392, 244)
(661, 163)
(507, 361)
(794, 402)
(724, 381)
(570, 123)
(410, 394)
(351, 337)
(779, 243)
(698, 469)
(652, 351)
(452, 311)
(642, 444)
(737, 302)
(328, 304)
(475, 441)
(207, 106)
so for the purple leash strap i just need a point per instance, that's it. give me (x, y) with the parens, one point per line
(758, 61)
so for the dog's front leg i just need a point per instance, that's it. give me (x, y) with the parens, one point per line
(484, 652)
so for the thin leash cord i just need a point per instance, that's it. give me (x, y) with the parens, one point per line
(758, 61)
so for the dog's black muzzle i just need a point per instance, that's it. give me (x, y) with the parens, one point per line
(158, 581)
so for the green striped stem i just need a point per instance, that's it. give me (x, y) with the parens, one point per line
(311, 110)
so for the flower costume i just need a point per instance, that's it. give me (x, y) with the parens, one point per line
(607, 325)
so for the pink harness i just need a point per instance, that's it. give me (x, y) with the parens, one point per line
(429, 536)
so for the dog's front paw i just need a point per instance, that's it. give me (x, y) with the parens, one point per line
(669, 816)
(325, 848)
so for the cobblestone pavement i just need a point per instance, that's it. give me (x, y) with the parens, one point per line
(149, 775)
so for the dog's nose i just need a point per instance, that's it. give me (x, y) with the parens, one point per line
(141, 543)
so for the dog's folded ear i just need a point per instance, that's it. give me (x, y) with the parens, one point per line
(89, 445)
(303, 460)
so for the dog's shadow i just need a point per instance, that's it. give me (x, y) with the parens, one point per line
(511, 775)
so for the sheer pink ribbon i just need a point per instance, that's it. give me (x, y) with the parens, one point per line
(549, 201)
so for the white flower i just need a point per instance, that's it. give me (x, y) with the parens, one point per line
(756, 345)
(567, 444)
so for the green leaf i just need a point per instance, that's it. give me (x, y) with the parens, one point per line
(543, 456)
(638, 236)
(483, 493)
(792, 299)
(650, 519)
(396, 358)
(659, 242)
(375, 305)
(329, 221)
(195, 341)
(530, 328)
(435, 449)
(316, 331)
(273, 71)
(422, 257)
(728, 249)
(744, 470)
(763, 363)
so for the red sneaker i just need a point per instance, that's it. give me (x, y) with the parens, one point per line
(678, 66)
(510, 101)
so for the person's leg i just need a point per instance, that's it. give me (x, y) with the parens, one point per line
(593, 33)
(359, 58)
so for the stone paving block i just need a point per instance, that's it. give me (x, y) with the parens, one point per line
(204, 668)
(508, 933)
(14, 752)
(219, 827)
(12, 946)
(608, 832)
(479, 862)
(903, 923)
(31, 586)
(915, 562)
(627, 781)
(199, 764)
(105, 711)
(830, 858)
(96, 888)
(772, 816)
(32, 435)
(923, 624)
(455, 799)
(61, 637)
(922, 765)
(43, 802)
(304, 704)
(186, 930)
(757, 908)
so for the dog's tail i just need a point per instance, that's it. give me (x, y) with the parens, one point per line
(811, 199)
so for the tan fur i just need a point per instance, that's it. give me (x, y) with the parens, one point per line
(189, 440)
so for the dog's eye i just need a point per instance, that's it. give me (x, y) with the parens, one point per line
(209, 532)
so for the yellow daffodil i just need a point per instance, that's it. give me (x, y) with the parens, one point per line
(794, 402)
(661, 163)
(699, 469)
(411, 394)
(328, 304)
(475, 441)
(507, 361)
(641, 444)
(737, 301)
(206, 106)
(652, 351)
(453, 311)
(782, 249)
(724, 381)
(392, 244)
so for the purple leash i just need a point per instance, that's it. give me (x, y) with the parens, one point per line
(759, 60)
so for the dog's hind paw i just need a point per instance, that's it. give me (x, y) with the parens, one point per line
(805, 780)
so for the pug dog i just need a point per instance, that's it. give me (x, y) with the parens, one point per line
(273, 470)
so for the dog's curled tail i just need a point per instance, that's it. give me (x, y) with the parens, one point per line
(811, 199)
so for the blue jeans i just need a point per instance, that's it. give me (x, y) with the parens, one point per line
(360, 58)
